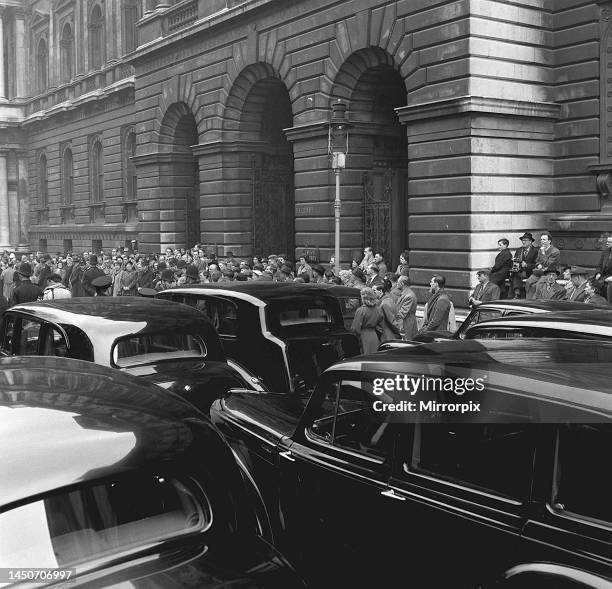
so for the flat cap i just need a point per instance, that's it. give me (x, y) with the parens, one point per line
(102, 282)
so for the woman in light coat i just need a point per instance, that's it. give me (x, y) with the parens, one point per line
(368, 322)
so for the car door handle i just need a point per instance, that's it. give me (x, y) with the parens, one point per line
(287, 454)
(391, 493)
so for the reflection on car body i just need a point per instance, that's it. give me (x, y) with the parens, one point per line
(165, 343)
(286, 333)
(504, 308)
(525, 484)
(124, 483)
(594, 325)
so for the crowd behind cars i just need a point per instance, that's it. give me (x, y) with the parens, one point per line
(319, 477)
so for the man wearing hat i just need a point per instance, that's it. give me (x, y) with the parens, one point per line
(54, 289)
(548, 256)
(102, 284)
(91, 272)
(579, 280)
(192, 276)
(485, 290)
(166, 280)
(25, 291)
(525, 261)
(549, 289)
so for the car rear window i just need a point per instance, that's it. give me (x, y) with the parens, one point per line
(102, 519)
(298, 312)
(146, 348)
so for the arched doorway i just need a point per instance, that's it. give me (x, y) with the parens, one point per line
(266, 112)
(374, 88)
(180, 181)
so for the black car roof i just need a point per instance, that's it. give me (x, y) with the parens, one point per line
(270, 291)
(65, 421)
(537, 304)
(599, 317)
(555, 365)
(84, 311)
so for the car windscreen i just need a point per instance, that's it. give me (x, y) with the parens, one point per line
(298, 313)
(102, 519)
(147, 348)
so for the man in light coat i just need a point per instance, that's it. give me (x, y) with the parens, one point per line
(406, 309)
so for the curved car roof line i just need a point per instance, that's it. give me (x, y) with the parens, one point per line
(236, 294)
(594, 328)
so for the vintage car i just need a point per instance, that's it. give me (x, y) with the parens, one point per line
(594, 325)
(365, 496)
(503, 308)
(285, 333)
(111, 482)
(167, 344)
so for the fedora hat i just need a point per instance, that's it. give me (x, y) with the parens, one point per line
(24, 269)
(527, 235)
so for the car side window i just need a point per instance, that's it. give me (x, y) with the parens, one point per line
(348, 421)
(29, 338)
(493, 457)
(8, 334)
(53, 343)
(583, 484)
(496, 333)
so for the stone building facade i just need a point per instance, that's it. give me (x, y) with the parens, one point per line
(207, 120)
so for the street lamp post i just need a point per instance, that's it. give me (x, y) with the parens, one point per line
(338, 149)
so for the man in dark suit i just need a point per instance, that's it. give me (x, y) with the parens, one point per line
(548, 256)
(605, 270)
(437, 308)
(485, 290)
(525, 257)
(501, 267)
(25, 291)
(550, 290)
(91, 273)
(373, 276)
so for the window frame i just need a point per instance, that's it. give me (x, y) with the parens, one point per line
(96, 33)
(67, 175)
(96, 169)
(43, 181)
(42, 65)
(67, 53)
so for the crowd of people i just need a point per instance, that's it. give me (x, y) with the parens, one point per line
(536, 273)
(388, 303)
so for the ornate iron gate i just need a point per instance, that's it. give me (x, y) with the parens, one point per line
(273, 210)
(377, 193)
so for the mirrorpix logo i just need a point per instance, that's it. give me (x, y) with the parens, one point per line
(422, 385)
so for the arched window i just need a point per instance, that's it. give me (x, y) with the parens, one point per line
(67, 53)
(67, 177)
(131, 15)
(42, 66)
(43, 182)
(96, 171)
(96, 38)
(129, 169)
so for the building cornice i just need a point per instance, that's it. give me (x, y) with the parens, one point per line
(478, 104)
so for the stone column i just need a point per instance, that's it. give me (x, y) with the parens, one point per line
(13, 199)
(2, 85)
(20, 55)
(24, 200)
(5, 239)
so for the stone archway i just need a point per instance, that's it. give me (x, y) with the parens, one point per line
(179, 176)
(266, 112)
(370, 83)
